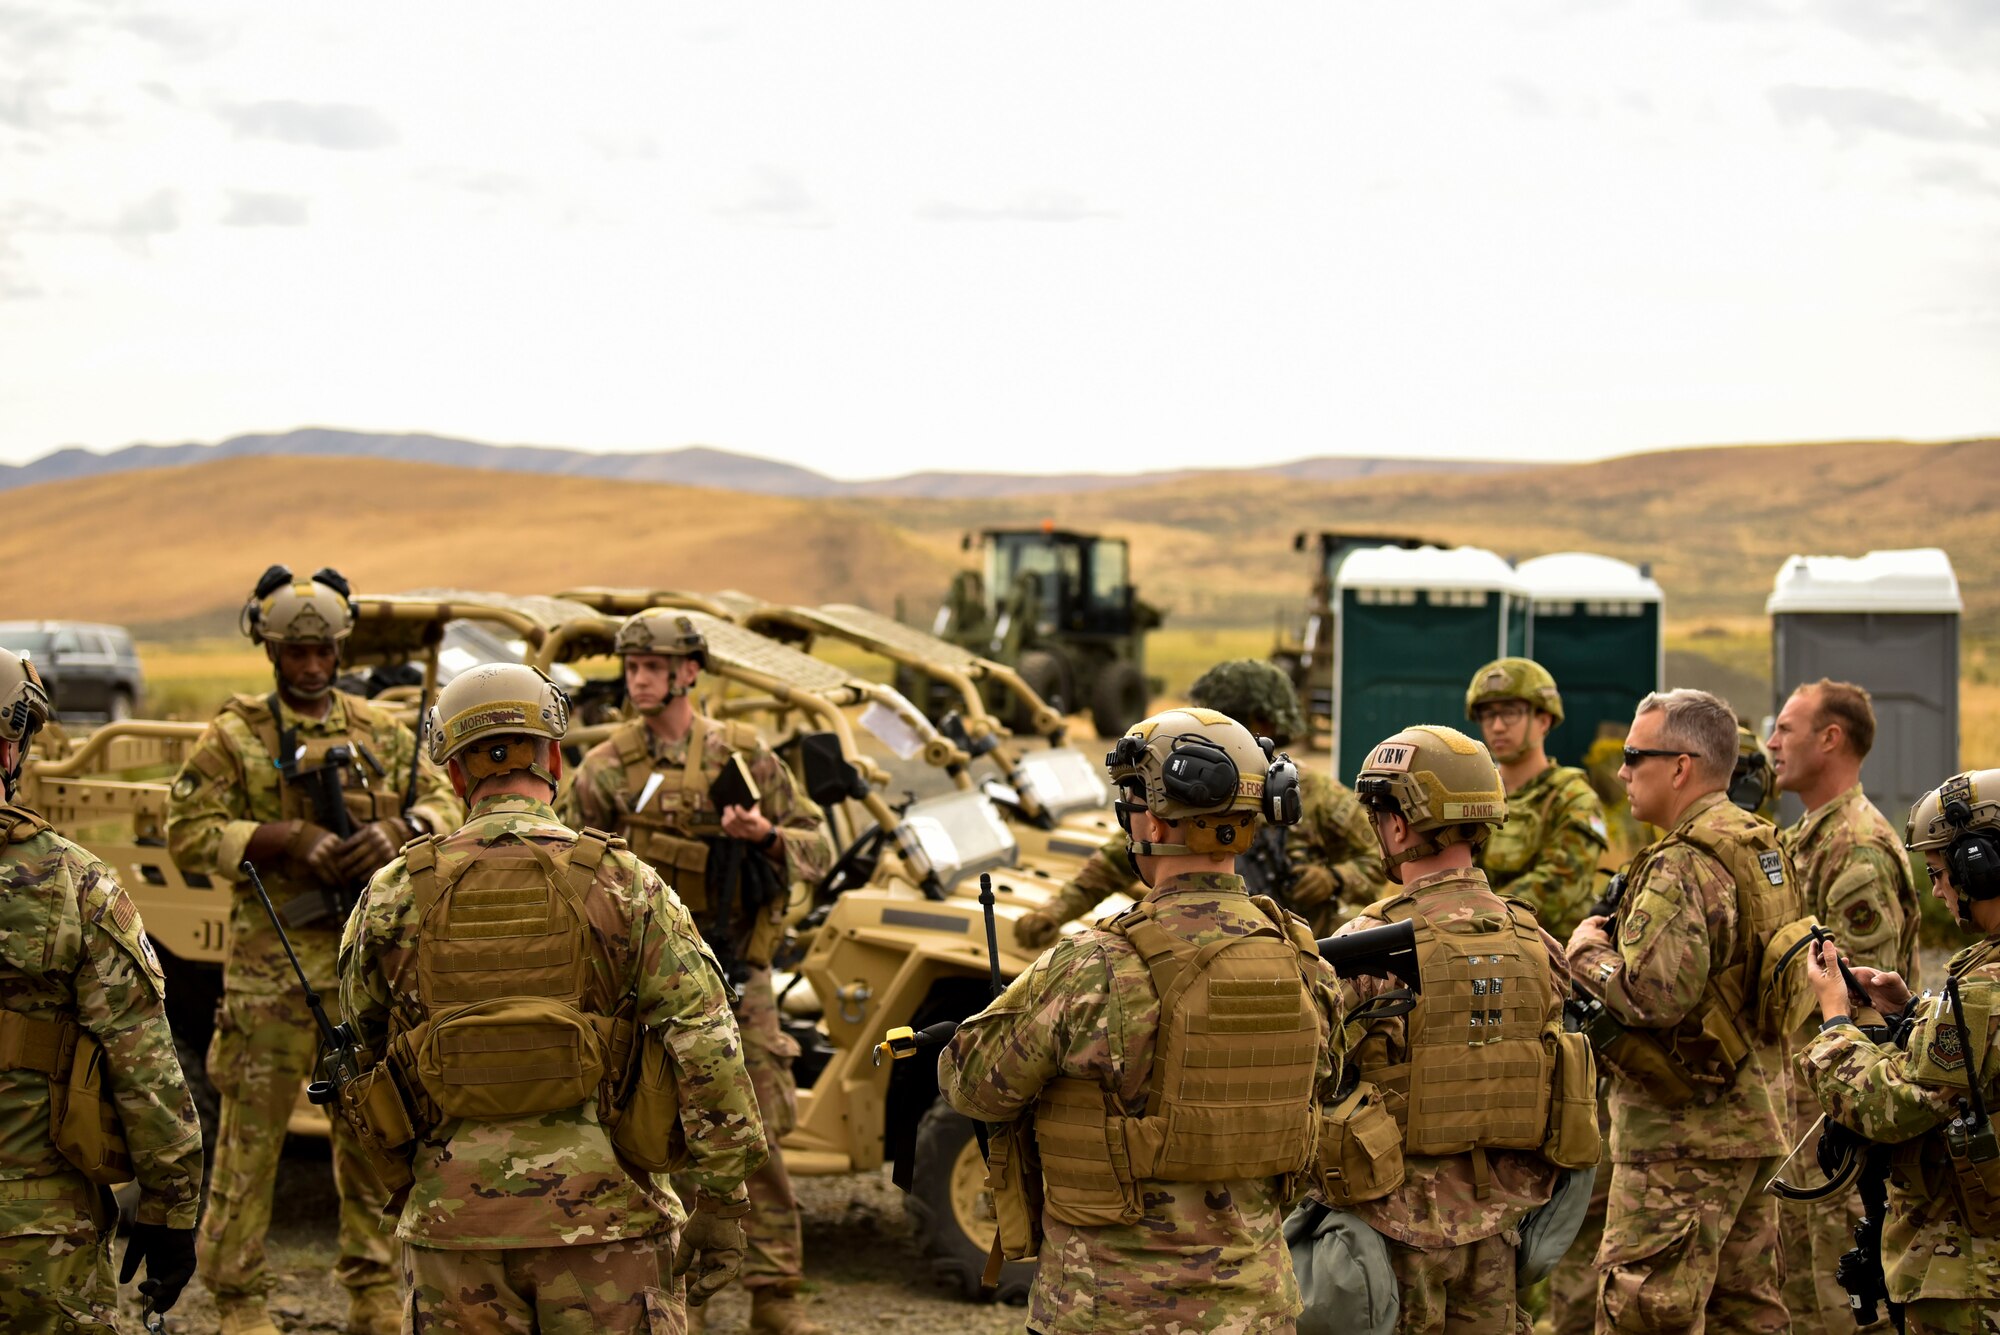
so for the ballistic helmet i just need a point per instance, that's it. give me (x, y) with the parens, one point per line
(24, 702)
(285, 610)
(1250, 688)
(664, 631)
(1514, 679)
(1443, 783)
(1961, 818)
(508, 702)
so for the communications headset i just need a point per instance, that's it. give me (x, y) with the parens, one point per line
(1973, 857)
(1198, 772)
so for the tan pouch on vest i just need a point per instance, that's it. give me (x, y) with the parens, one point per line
(1640, 1058)
(649, 1133)
(373, 1106)
(83, 1121)
(509, 1058)
(682, 864)
(1574, 1140)
(1360, 1149)
(1016, 1209)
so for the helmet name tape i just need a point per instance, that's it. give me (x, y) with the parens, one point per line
(1393, 755)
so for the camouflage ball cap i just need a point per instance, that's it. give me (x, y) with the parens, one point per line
(492, 699)
(1249, 688)
(1514, 679)
(1931, 824)
(663, 631)
(303, 611)
(24, 703)
(1435, 777)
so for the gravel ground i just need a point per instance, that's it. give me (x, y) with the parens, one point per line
(862, 1271)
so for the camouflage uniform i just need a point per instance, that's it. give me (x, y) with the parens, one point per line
(1333, 832)
(1547, 852)
(1689, 1236)
(1947, 1275)
(1451, 1243)
(1856, 879)
(72, 948)
(264, 1043)
(540, 1204)
(1206, 1256)
(600, 798)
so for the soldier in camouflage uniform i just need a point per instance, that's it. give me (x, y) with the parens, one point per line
(1160, 1234)
(1433, 795)
(1941, 1238)
(522, 1211)
(1856, 879)
(1330, 856)
(242, 794)
(1691, 1242)
(1548, 850)
(76, 967)
(649, 781)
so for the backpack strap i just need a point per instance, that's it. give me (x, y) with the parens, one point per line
(420, 858)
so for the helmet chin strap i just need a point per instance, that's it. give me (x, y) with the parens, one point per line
(653, 711)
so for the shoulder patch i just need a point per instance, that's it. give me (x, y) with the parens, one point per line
(1636, 923)
(1773, 863)
(1946, 1052)
(1861, 917)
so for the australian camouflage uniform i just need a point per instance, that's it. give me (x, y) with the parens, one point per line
(1489, 1095)
(553, 1035)
(1548, 852)
(84, 1044)
(1856, 879)
(1157, 1214)
(264, 1043)
(675, 828)
(1699, 1102)
(1941, 1238)
(1331, 864)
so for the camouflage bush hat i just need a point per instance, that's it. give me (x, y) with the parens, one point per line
(1514, 679)
(664, 631)
(1442, 782)
(1193, 765)
(24, 701)
(1249, 688)
(285, 610)
(491, 701)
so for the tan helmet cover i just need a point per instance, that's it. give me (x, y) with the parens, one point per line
(304, 611)
(664, 631)
(1929, 828)
(494, 699)
(24, 702)
(1198, 766)
(1514, 679)
(1440, 781)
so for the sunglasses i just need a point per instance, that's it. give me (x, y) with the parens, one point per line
(1635, 754)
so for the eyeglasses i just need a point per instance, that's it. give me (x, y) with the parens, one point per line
(1635, 754)
(1507, 711)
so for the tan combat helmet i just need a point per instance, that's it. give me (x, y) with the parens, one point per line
(1439, 780)
(1753, 783)
(508, 702)
(663, 631)
(1514, 679)
(1961, 819)
(24, 708)
(285, 610)
(1204, 769)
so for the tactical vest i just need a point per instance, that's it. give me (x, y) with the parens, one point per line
(670, 833)
(1480, 1066)
(1230, 1094)
(1745, 1003)
(364, 804)
(512, 1020)
(1942, 1164)
(1508, 853)
(83, 1118)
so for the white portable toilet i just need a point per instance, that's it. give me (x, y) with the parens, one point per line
(1596, 623)
(1887, 621)
(1414, 624)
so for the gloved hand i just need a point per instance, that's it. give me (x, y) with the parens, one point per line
(1036, 931)
(369, 848)
(314, 847)
(169, 1257)
(1312, 885)
(711, 1248)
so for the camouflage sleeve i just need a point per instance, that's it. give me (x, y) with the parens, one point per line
(120, 993)
(1056, 1017)
(1656, 971)
(1865, 911)
(208, 818)
(681, 1001)
(1339, 835)
(435, 803)
(1871, 1088)
(809, 850)
(1108, 872)
(1563, 881)
(365, 999)
(588, 801)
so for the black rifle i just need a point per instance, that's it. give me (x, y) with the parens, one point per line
(1859, 1270)
(741, 884)
(1608, 903)
(339, 1056)
(1377, 952)
(325, 789)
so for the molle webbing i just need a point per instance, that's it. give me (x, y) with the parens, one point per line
(29, 1043)
(364, 804)
(666, 834)
(18, 825)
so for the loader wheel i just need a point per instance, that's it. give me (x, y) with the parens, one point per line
(1043, 672)
(1118, 700)
(952, 1211)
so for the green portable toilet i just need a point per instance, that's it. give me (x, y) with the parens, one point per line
(1414, 625)
(1887, 621)
(1595, 623)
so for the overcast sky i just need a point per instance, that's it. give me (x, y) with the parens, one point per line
(881, 237)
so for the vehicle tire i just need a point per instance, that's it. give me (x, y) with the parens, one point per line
(951, 1211)
(1043, 672)
(119, 707)
(1118, 700)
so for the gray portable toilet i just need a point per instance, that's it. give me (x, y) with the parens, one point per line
(1595, 623)
(1887, 621)
(1414, 624)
